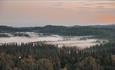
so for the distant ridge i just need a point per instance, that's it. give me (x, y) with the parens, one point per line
(105, 26)
(64, 30)
(98, 26)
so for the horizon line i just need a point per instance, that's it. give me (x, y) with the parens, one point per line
(59, 25)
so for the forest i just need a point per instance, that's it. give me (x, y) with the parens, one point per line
(39, 56)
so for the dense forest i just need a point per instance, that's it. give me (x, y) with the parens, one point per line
(39, 56)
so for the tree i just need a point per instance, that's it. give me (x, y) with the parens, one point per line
(89, 63)
(44, 64)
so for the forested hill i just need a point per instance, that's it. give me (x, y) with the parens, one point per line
(108, 30)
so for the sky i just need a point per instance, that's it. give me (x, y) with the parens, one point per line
(56, 12)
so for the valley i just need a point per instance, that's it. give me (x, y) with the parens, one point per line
(57, 40)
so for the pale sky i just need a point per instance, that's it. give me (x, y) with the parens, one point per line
(56, 12)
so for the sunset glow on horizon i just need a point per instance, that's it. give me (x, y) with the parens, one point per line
(89, 12)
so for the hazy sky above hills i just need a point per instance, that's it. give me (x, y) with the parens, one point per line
(56, 12)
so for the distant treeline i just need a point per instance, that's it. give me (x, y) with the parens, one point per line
(103, 31)
(39, 56)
